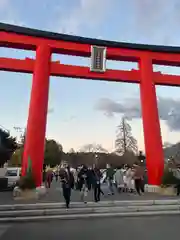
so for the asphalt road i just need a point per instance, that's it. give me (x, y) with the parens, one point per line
(151, 228)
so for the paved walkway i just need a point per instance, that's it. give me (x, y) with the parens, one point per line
(55, 195)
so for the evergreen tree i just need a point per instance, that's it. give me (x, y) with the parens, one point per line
(8, 145)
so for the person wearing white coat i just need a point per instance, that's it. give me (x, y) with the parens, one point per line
(129, 179)
(118, 176)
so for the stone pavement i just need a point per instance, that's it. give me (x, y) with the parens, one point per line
(148, 228)
(55, 195)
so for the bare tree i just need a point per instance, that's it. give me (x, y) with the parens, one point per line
(125, 142)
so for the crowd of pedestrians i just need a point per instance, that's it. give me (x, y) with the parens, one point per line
(84, 180)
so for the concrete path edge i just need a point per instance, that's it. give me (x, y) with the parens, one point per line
(87, 216)
(89, 204)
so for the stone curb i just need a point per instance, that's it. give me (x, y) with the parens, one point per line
(92, 210)
(87, 216)
(89, 204)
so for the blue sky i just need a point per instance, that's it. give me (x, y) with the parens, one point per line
(74, 120)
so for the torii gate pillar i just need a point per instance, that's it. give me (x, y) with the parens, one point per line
(151, 124)
(36, 125)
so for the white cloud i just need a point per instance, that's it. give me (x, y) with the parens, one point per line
(87, 15)
(130, 107)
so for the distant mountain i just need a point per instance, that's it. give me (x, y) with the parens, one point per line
(172, 150)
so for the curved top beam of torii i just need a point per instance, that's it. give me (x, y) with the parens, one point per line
(12, 36)
(92, 41)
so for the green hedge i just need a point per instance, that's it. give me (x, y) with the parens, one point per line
(27, 181)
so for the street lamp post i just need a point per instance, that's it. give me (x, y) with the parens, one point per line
(141, 158)
(96, 159)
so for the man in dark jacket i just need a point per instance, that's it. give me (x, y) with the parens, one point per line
(89, 178)
(96, 181)
(67, 180)
(139, 178)
(110, 176)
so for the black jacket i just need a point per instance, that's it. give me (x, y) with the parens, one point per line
(97, 175)
(67, 179)
(83, 175)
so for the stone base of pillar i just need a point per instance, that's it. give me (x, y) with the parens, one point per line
(152, 188)
(31, 194)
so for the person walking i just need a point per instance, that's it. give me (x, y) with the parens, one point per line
(119, 179)
(76, 179)
(67, 180)
(89, 178)
(83, 183)
(56, 175)
(129, 179)
(176, 174)
(44, 174)
(139, 178)
(49, 178)
(110, 177)
(96, 176)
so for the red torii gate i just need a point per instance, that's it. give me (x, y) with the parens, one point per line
(46, 43)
